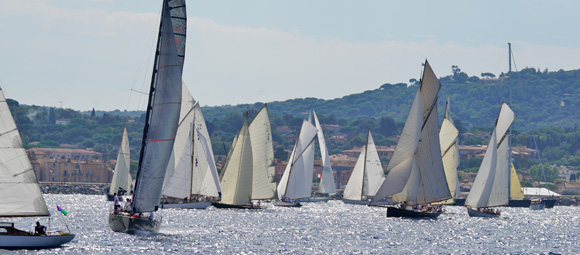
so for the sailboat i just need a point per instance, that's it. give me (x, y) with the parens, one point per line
(249, 170)
(296, 182)
(367, 175)
(121, 182)
(264, 169)
(450, 154)
(326, 185)
(236, 181)
(491, 185)
(191, 179)
(416, 176)
(161, 121)
(21, 196)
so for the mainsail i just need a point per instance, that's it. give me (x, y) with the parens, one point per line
(191, 170)
(263, 184)
(296, 182)
(122, 176)
(237, 174)
(327, 181)
(162, 114)
(20, 193)
(491, 185)
(367, 175)
(450, 153)
(416, 170)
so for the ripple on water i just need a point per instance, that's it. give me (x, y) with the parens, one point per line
(315, 228)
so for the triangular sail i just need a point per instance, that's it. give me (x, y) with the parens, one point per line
(416, 169)
(237, 178)
(490, 187)
(263, 186)
(515, 185)
(297, 179)
(327, 181)
(21, 196)
(161, 120)
(367, 175)
(500, 193)
(211, 184)
(122, 176)
(483, 183)
(450, 153)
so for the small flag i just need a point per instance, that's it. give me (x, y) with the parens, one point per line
(51, 170)
(61, 210)
(195, 162)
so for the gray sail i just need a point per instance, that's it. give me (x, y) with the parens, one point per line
(161, 121)
(179, 20)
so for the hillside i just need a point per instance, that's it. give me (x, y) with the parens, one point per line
(544, 102)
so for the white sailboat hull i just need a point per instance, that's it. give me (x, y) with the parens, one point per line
(474, 213)
(126, 223)
(192, 205)
(35, 241)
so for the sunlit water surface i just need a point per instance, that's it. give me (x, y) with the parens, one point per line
(316, 228)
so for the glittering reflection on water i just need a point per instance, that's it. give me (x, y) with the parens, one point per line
(316, 228)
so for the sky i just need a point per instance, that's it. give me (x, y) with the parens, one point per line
(85, 54)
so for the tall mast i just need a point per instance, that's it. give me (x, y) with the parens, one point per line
(510, 97)
(365, 165)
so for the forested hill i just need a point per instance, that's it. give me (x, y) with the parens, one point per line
(539, 99)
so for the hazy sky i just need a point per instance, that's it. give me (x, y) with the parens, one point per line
(97, 53)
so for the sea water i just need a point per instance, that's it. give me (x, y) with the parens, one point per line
(315, 228)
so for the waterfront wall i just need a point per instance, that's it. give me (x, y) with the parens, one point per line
(74, 188)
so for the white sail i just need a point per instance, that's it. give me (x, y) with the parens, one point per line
(162, 115)
(297, 179)
(450, 152)
(483, 183)
(374, 174)
(401, 164)
(122, 176)
(178, 176)
(211, 184)
(21, 194)
(367, 175)
(263, 185)
(237, 177)
(416, 168)
(327, 181)
(491, 185)
(500, 192)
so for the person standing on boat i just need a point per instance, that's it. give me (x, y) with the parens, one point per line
(127, 207)
(116, 203)
(39, 230)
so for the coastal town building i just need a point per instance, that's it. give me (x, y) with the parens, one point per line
(69, 165)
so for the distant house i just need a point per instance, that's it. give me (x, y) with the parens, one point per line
(69, 165)
(63, 122)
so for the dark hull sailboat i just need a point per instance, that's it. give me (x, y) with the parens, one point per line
(403, 213)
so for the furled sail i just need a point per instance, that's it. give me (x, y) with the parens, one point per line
(237, 177)
(161, 120)
(122, 176)
(20, 193)
(296, 182)
(416, 169)
(450, 153)
(367, 175)
(263, 185)
(327, 181)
